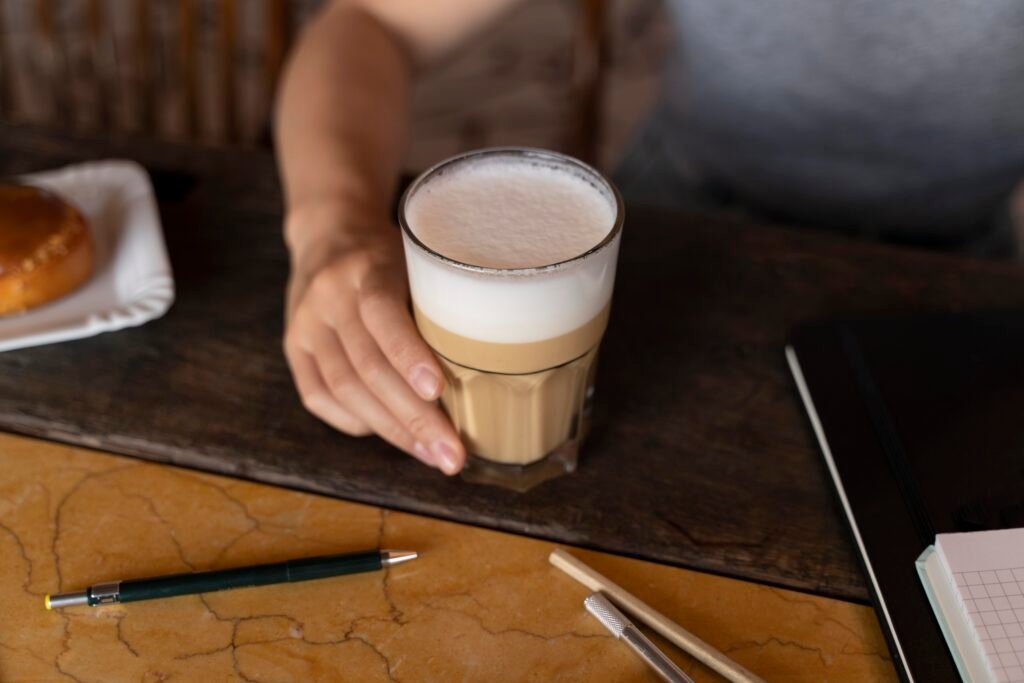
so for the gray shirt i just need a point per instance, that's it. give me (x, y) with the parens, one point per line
(900, 119)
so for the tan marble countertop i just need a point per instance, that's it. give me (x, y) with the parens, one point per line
(477, 606)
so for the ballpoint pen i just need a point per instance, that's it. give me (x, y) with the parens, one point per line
(623, 629)
(222, 579)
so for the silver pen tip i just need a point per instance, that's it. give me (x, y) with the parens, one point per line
(605, 612)
(67, 599)
(389, 558)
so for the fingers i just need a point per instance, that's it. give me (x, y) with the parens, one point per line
(422, 419)
(348, 389)
(388, 321)
(317, 398)
(359, 361)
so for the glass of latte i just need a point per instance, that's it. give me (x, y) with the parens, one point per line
(511, 256)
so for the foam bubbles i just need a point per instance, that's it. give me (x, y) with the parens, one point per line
(508, 210)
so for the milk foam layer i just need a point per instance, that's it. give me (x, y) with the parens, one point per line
(518, 195)
(503, 213)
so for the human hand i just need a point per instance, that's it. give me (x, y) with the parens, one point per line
(355, 354)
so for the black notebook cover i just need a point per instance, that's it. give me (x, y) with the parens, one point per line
(921, 424)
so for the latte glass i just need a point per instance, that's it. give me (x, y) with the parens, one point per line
(518, 346)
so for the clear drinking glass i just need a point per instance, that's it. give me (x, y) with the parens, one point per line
(518, 346)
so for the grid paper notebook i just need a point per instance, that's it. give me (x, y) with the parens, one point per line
(982, 603)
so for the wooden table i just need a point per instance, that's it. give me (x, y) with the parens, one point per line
(477, 606)
(701, 456)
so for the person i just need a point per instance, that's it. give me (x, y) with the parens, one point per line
(900, 120)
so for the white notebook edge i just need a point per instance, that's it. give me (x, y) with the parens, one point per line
(819, 432)
(955, 627)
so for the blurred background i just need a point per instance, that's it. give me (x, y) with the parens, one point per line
(204, 71)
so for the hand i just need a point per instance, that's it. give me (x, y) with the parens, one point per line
(355, 354)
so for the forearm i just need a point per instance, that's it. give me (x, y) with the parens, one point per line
(342, 121)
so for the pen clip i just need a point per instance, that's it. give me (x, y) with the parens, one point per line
(105, 593)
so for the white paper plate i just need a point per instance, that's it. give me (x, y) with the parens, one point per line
(132, 282)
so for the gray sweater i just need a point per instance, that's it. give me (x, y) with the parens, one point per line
(896, 119)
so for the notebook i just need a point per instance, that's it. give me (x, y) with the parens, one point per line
(918, 420)
(975, 583)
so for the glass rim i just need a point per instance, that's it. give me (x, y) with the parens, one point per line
(535, 152)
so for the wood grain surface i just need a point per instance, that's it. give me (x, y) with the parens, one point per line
(701, 456)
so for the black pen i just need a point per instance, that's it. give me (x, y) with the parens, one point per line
(222, 579)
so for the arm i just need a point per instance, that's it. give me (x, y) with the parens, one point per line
(354, 352)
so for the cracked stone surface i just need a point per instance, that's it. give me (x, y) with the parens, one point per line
(478, 606)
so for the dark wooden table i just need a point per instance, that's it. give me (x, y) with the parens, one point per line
(701, 456)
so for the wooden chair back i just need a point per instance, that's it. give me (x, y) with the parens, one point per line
(79, 51)
(114, 62)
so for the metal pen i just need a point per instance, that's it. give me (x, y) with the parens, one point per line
(222, 579)
(623, 629)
